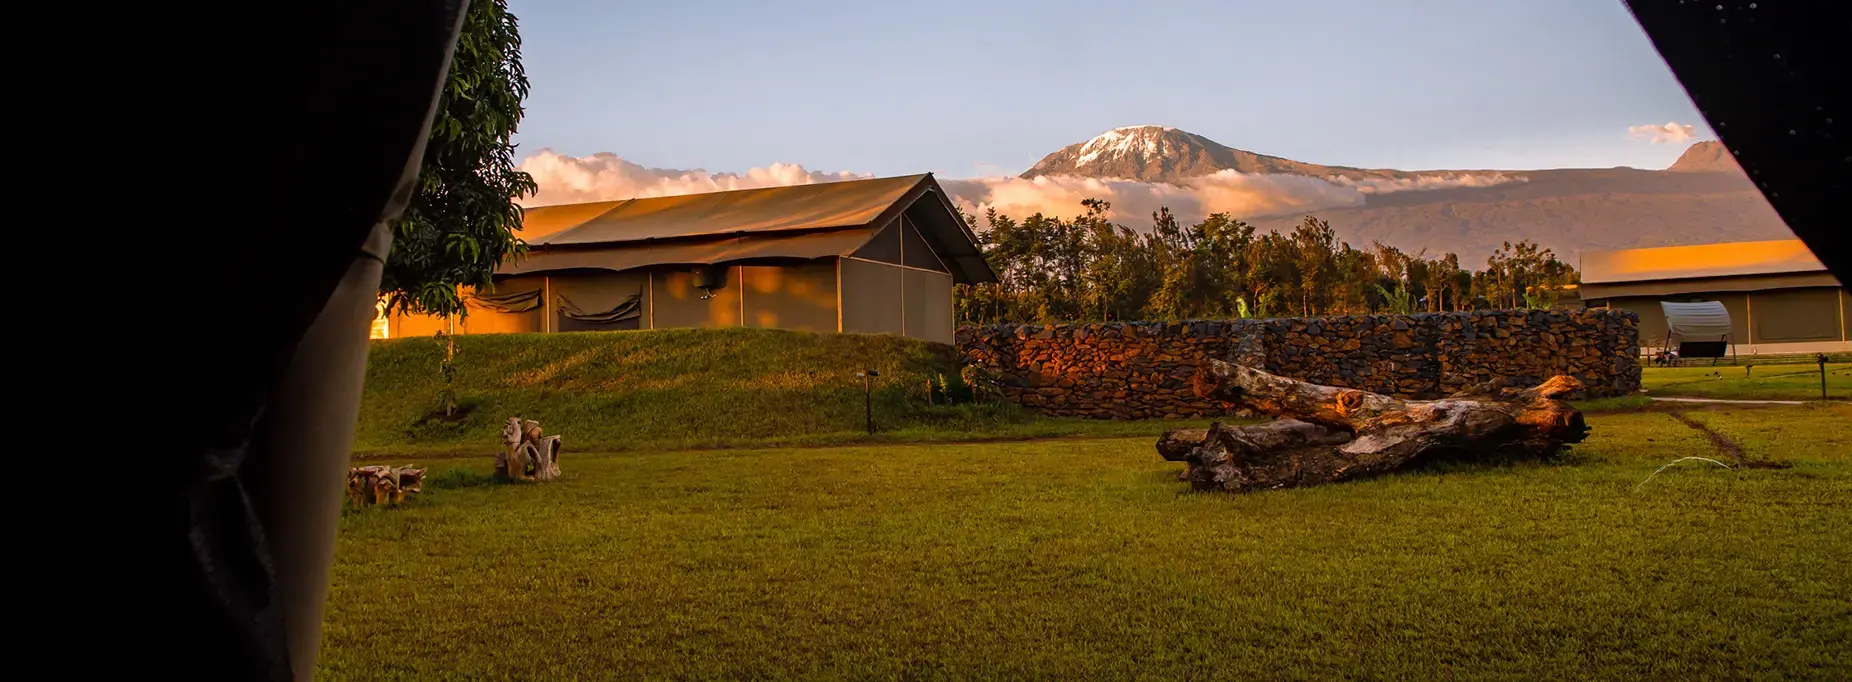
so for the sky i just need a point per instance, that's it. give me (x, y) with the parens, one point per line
(967, 88)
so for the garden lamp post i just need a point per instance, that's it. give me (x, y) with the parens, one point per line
(1821, 358)
(868, 406)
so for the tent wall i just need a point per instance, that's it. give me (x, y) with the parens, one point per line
(928, 302)
(801, 296)
(915, 252)
(1784, 320)
(401, 325)
(1653, 319)
(598, 291)
(485, 321)
(1845, 315)
(1796, 315)
(884, 247)
(675, 301)
(871, 302)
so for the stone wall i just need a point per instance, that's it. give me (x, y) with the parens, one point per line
(1142, 370)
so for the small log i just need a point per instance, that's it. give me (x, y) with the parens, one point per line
(382, 484)
(1327, 434)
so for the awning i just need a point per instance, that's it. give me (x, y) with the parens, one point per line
(1700, 321)
(628, 255)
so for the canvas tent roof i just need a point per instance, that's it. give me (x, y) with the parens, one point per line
(1700, 320)
(801, 221)
(1781, 256)
(801, 245)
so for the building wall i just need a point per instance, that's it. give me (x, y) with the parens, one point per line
(1845, 315)
(596, 291)
(896, 284)
(1795, 315)
(484, 321)
(928, 304)
(1143, 370)
(400, 325)
(1780, 321)
(1653, 318)
(871, 302)
(799, 297)
(676, 302)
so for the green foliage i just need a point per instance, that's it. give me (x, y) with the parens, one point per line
(1089, 269)
(462, 222)
(1083, 559)
(1397, 300)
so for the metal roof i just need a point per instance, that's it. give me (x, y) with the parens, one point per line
(849, 203)
(1783, 256)
(799, 221)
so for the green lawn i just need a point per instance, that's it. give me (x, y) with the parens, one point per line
(1767, 382)
(1085, 559)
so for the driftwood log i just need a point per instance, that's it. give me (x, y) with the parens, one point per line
(1326, 434)
(382, 484)
(528, 455)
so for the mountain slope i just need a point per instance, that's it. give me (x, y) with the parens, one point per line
(1704, 197)
(1709, 155)
(1158, 154)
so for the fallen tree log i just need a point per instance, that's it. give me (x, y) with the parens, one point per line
(1326, 434)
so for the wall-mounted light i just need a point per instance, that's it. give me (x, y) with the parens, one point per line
(709, 278)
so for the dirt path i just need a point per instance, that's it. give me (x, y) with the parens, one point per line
(1727, 446)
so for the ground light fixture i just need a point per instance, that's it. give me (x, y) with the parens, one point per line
(868, 405)
(1821, 358)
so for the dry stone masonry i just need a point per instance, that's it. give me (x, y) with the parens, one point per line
(1142, 370)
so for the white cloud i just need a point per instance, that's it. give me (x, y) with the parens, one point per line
(1670, 133)
(603, 177)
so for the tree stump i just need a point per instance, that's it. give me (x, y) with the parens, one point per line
(382, 484)
(1326, 434)
(529, 455)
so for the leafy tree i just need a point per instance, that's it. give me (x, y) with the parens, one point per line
(462, 222)
(1087, 268)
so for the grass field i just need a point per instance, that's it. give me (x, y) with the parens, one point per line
(1768, 382)
(1085, 559)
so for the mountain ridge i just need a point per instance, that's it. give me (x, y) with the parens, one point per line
(1703, 197)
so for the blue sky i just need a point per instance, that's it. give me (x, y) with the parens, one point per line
(965, 88)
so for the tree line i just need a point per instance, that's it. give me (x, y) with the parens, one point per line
(1089, 269)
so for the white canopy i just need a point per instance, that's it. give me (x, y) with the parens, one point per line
(1700, 321)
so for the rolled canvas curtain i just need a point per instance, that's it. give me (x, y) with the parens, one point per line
(1702, 320)
(519, 302)
(631, 308)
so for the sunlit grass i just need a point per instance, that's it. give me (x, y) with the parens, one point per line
(1741, 382)
(676, 389)
(1085, 559)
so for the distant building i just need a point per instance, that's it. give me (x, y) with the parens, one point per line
(872, 256)
(1781, 299)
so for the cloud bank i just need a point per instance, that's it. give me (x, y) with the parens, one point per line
(603, 177)
(1672, 132)
(606, 177)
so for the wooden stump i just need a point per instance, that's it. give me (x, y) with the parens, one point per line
(528, 455)
(1327, 434)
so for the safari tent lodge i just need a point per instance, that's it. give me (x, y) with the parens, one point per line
(869, 256)
(1774, 296)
